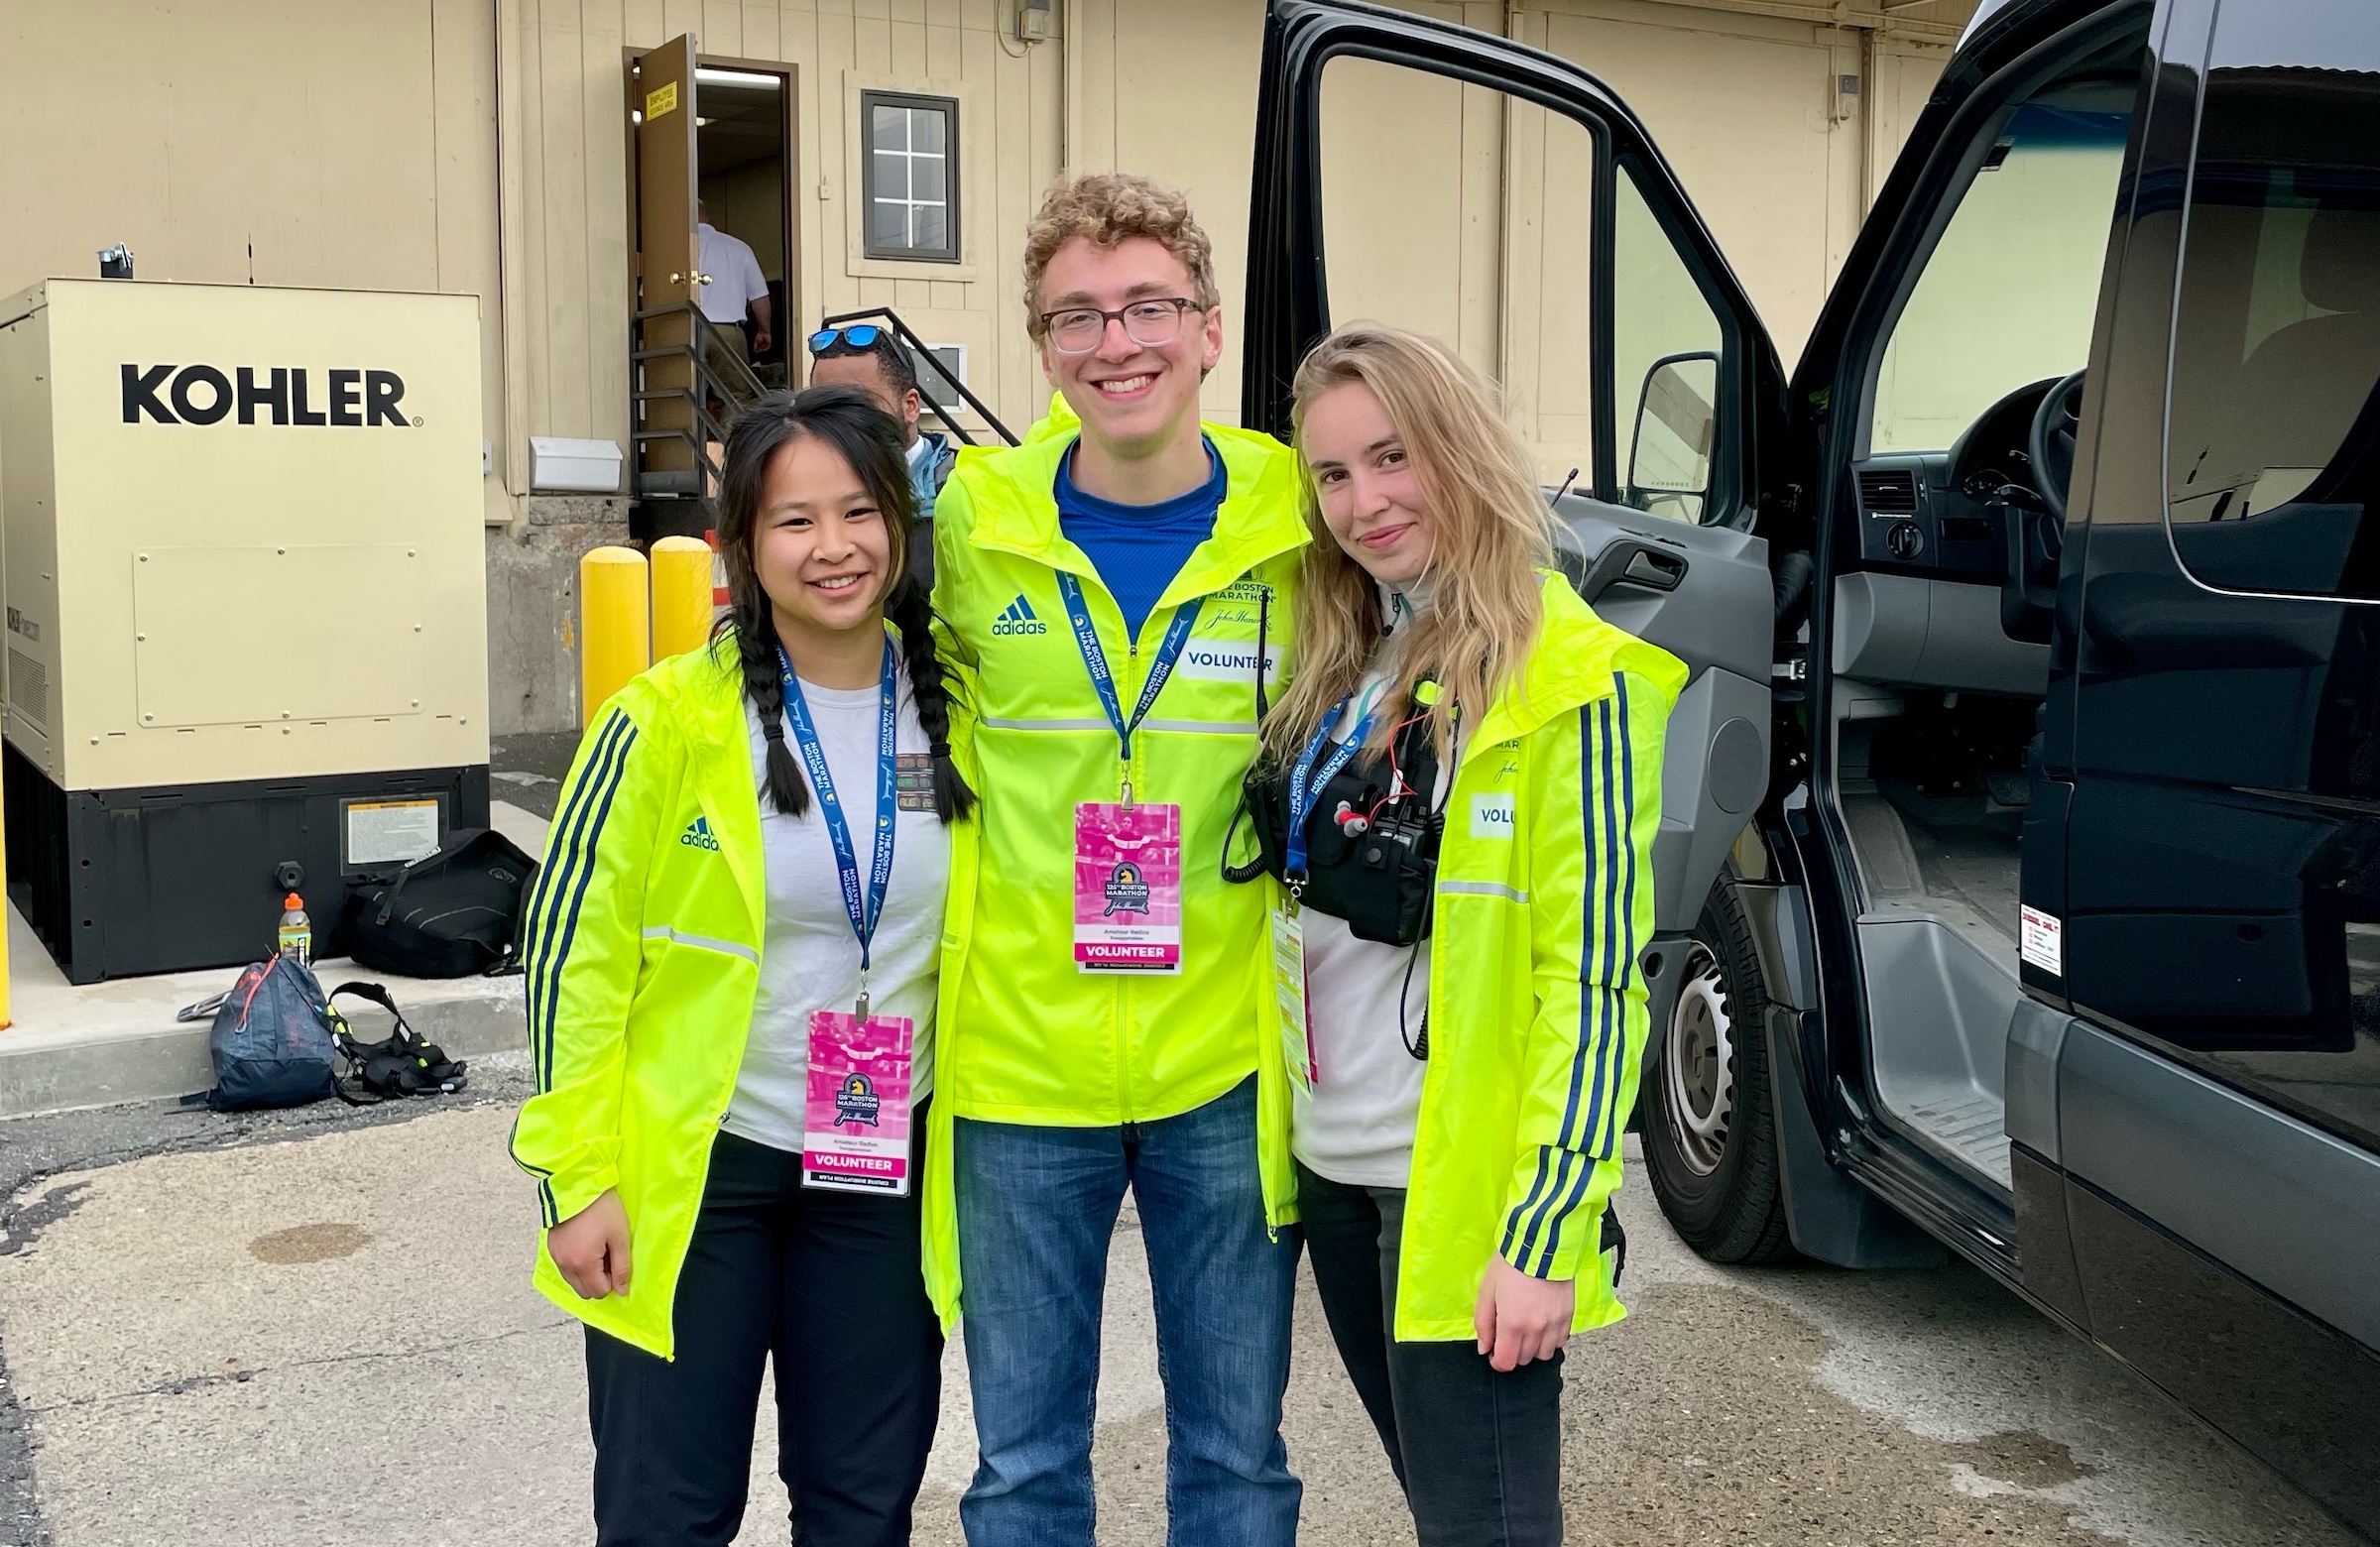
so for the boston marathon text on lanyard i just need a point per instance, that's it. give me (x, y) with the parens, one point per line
(855, 1137)
(1306, 784)
(1128, 856)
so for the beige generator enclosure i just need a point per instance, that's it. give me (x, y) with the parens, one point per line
(247, 609)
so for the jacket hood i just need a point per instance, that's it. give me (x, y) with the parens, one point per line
(1571, 664)
(704, 689)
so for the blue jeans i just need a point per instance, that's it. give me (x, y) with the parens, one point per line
(1036, 1207)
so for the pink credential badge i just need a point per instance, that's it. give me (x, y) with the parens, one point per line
(1127, 888)
(855, 1135)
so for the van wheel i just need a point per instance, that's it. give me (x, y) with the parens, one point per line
(1709, 1137)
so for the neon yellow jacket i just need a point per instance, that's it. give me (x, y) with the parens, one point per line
(1025, 1036)
(642, 960)
(1537, 1005)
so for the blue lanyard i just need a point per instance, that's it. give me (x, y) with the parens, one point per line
(865, 911)
(1095, 658)
(1306, 783)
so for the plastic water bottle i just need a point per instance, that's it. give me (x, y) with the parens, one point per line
(296, 936)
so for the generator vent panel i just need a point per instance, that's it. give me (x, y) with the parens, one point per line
(223, 635)
(27, 687)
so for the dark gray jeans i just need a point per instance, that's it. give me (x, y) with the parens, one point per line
(1479, 1451)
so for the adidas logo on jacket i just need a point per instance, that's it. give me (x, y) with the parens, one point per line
(1018, 618)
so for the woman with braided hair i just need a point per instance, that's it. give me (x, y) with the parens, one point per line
(732, 974)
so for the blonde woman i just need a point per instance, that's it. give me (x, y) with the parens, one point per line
(1459, 796)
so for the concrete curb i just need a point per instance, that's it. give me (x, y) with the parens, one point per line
(146, 1057)
(106, 1043)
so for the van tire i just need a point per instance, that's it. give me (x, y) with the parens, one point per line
(1715, 1177)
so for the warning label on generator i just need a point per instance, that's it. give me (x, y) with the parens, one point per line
(390, 832)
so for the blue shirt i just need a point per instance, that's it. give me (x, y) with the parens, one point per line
(1137, 549)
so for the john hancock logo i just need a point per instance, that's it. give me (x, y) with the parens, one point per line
(1128, 891)
(857, 1102)
(1018, 618)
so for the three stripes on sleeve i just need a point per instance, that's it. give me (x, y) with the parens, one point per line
(1589, 1136)
(554, 905)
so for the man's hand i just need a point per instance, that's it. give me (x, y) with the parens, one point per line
(591, 1248)
(761, 340)
(1520, 1318)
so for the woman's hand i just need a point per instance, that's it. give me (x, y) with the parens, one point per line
(1520, 1318)
(591, 1248)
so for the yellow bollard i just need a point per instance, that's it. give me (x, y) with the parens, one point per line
(681, 596)
(615, 625)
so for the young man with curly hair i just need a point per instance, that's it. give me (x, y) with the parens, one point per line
(1122, 593)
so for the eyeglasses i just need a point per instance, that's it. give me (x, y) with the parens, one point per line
(1148, 323)
(859, 336)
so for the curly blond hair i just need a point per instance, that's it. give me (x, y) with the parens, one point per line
(1106, 207)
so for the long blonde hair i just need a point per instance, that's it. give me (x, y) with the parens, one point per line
(1493, 533)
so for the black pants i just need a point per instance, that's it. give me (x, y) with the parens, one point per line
(827, 1285)
(1479, 1451)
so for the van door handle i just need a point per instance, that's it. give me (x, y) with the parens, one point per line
(1627, 561)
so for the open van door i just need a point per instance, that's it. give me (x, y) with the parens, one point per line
(1506, 201)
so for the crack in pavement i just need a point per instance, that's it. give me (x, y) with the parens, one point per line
(186, 1383)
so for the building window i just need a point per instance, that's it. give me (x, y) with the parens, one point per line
(941, 370)
(912, 178)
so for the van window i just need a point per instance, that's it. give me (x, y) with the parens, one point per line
(1667, 350)
(2008, 293)
(1463, 213)
(2271, 415)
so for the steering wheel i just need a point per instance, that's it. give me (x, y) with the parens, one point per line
(2049, 443)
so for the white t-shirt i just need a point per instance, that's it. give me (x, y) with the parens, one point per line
(809, 958)
(735, 278)
(1357, 1129)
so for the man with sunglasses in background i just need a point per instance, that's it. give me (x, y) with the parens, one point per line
(1119, 592)
(871, 358)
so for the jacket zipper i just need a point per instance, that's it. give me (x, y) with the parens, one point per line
(1131, 772)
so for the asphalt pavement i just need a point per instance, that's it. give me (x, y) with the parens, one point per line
(316, 1327)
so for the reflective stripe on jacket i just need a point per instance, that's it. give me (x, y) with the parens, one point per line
(642, 960)
(1537, 1004)
(1025, 1036)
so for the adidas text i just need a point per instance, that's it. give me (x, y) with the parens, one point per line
(698, 835)
(1018, 618)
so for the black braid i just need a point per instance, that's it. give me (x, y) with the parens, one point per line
(911, 614)
(765, 685)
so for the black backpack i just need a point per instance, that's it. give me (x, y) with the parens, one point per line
(450, 914)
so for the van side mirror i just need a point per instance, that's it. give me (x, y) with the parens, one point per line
(1669, 454)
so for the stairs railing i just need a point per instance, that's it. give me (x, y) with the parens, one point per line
(918, 348)
(684, 365)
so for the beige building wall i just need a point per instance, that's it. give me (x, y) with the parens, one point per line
(416, 172)
(274, 142)
(566, 132)
(1742, 95)
(480, 147)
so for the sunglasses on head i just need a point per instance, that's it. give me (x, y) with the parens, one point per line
(859, 336)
